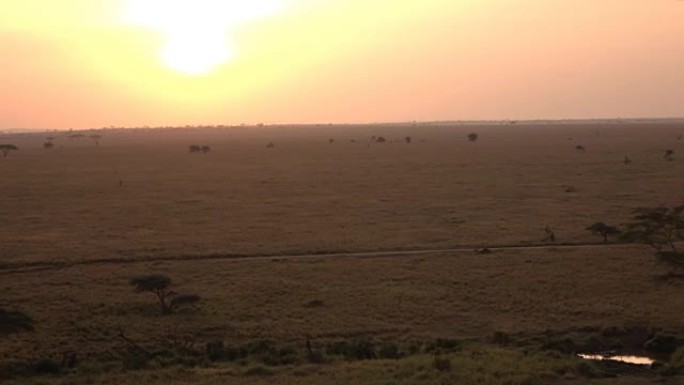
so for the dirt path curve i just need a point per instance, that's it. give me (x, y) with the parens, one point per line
(27, 267)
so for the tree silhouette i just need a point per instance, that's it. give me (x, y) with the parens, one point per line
(580, 148)
(159, 285)
(193, 149)
(407, 140)
(380, 139)
(473, 137)
(6, 148)
(48, 145)
(603, 230)
(658, 227)
(627, 160)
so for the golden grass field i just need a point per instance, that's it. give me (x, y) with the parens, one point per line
(72, 237)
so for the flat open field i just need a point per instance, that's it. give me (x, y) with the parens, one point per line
(306, 195)
(72, 236)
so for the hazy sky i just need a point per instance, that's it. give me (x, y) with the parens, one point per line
(94, 63)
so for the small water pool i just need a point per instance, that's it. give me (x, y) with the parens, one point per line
(634, 360)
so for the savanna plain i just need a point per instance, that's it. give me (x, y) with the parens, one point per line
(323, 255)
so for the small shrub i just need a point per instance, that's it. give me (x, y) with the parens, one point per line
(44, 366)
(283, 356)
(136, 361)
(663, 344)
(589, 370)
(215, 350)
(500, 338)
(14, 321)
(9, 370)
(361, 350)
(338, 348)
(677, 360)
(258, 371)
(314, 304)
(269, 354)
(389, 350)
(443, 345)
(441, 364)
(565, 345)
(414, 348)
(352, 351)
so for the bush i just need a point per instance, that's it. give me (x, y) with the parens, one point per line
(676, 364)
(500, 338)
(9, 370)
(443, 345)
(361, 350)
(389, 350)
(354, 350)
(215, 350)
(269, 354)
(258, 371)
(663, 344)
(44, 366)
(589, 370)
(14, 321)
(441, 364)
(565, 345)
(136, 361)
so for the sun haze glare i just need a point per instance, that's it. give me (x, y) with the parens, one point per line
(196, 32)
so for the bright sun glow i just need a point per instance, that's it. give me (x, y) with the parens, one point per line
(197, 31)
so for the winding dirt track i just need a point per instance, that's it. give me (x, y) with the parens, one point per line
(28, 267)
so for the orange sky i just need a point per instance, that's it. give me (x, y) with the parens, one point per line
(94, 63)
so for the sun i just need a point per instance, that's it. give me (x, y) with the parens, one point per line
(196, 52)
(196, 32)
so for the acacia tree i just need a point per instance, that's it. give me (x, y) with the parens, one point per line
(159, 285)
(6, 148)
(661, 228)
(604, 230)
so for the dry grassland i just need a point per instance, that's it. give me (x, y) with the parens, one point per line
(399, 298)
(307, 196)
